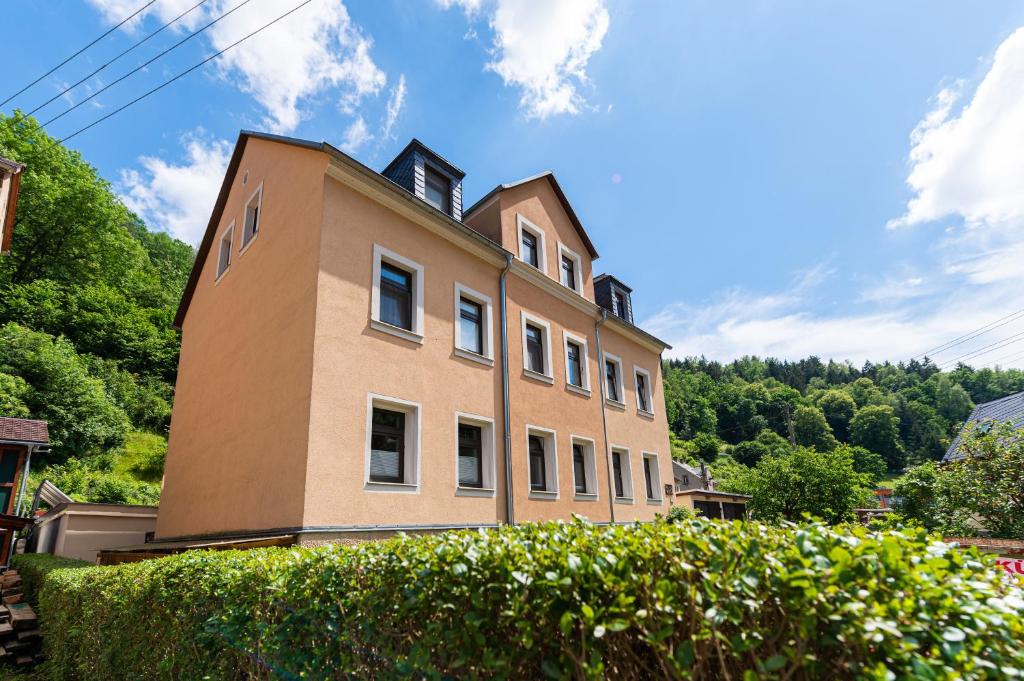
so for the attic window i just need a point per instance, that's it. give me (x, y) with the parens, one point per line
(437, 190)
(253, 206)
(224, 256)
(619, 304)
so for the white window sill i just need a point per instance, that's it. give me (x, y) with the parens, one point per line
(473, 357)
(542, 378)
(646, 414)
(577, 389)
(655, 502)
(398, 487)
(615, 403)
(623, 500)
(461, 491)
(543, 494)
(585, 496)
(404, 334)
(221, 275)
(247, 244)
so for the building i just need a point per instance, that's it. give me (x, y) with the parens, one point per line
(695, 489)
(1009, 409)
(20, 439)
(10, 183)
(361, 354)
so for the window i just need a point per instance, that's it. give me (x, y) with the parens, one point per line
(224, 256)
(474, 455)
(613, 380)
(536, 348)
(577, 377)
(571, 266)
(619, 304)
(644, 401)
(622, 476)
(437, 190)
(584, 468)
(652, 477)
(473, 326)
(397, 295)
(392, 444)
(543, 462)
(251, 227)
(531, 243)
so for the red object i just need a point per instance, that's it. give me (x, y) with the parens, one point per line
(1015, 566)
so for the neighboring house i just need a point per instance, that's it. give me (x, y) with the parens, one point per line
(19, 440)
(345, 334)
(1009, 409)
(695, 489)
(10, 183)
(685, 477)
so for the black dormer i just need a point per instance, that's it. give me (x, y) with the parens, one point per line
(614, 296)
(429, 177)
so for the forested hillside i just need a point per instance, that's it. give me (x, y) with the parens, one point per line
(905, 413)
(86, 302)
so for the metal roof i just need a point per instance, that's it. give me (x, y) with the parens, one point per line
(1009, 409)
(24, 431)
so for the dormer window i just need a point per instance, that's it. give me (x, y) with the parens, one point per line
(613, 295)
(437, 190)
(530, 249)
(618, 304)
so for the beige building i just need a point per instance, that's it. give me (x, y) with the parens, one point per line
(361, 355)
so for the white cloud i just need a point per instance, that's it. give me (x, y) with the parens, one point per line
(395, 103)
(178, 198)
(542, 47)
(316, 50)
(357, 135)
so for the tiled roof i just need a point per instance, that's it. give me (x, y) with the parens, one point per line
(1009, 409)
(23, 430)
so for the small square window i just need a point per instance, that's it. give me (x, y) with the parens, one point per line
(437, 190)
(251, 224)
(224, 255)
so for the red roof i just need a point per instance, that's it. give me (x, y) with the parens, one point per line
(23, 430)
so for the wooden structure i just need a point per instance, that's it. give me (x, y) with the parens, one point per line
(713, 504)
(162, 549)
(10, 183)
(19, 439)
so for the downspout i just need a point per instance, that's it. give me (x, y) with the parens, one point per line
(509, 516)
(604, 415)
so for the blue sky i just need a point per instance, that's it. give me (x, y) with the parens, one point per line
(783, 178)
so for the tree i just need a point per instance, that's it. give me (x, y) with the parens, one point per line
(812, 430)
(805, 481)
(839, 408)
(869, 463)
(864, 392)
(877, 428)
(13, 390)
(705, 446)
(914, 495)
(730, 475)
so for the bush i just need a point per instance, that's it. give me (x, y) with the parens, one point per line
(34, 567)
(694, 599)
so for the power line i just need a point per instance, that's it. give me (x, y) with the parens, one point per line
(145, 64)
(123, 53)
(985, 349)
(970, 335)
(1005, 358)
(112, 29)
(182, 74)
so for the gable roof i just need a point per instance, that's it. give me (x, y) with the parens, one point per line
(1009, 409)
(555, 187)
(24, 430)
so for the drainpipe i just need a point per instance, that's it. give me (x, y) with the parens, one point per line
(24, 480)
(604, 415)
(509, 516)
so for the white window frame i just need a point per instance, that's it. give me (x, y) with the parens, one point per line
(413, 440)
(584, 363)
(627, 474)
(382, 254)
(486, 424)
(620, 379)
(550, 462)
(565, 251)
(650, 391)
(247, 239)
(229, 235)
(549, 371)
(659, 495)
(590, 466)
(487, 358)
(542, 252)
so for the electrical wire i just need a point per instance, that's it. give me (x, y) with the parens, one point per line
(971, 335)
(985, 349)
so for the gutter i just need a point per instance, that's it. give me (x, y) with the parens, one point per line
(604, 415)
(502, 281)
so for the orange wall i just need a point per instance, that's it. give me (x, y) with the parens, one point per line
(237, 451)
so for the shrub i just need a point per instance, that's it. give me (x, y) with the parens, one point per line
(693, 599)
(34, 567)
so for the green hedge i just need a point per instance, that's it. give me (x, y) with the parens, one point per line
(34, 567)
(694, 599)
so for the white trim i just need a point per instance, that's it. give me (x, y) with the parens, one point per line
(548, 375)
(228, 234)
(243, 243)
(486, 321)
(584, 362)
(590, 468)
(550, 462)
(413, 440)
(627, 475)
(383, 254)
(486, 424)
(619, 380)
(564, 250)
(542, 253)
(659, 495)
(650, 391)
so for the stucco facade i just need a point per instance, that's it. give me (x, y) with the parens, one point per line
(284, 360)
